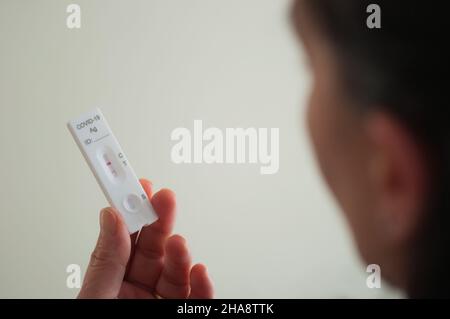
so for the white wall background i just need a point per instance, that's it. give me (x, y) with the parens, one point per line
(153, 66)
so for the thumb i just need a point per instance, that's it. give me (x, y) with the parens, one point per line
(106, 269)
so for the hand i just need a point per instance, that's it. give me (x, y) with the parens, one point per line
(152, 265)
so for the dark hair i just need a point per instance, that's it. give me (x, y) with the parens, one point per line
(402, 67)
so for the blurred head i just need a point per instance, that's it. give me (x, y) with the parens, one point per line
(378, 122)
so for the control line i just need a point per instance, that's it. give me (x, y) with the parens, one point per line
(100, 138)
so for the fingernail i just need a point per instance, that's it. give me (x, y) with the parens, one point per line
(108, 222)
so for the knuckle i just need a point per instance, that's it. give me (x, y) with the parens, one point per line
(101, 257)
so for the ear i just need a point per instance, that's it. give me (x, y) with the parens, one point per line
(399, 177)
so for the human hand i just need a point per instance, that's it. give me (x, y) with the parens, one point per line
(154, 265)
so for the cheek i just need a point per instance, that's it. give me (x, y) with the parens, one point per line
(342, 165)
(319, 122)
(339, 144)
(335, 147)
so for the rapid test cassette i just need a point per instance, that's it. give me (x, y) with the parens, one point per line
(112, 169)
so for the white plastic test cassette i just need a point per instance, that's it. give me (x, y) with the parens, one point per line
(112, 169)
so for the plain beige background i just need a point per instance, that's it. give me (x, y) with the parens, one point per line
(153, 66)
